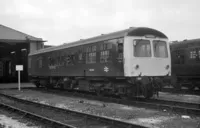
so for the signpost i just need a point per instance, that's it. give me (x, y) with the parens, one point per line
(19, 68)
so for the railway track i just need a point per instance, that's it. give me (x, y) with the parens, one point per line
(182, 91)
(167, 105)
(59, 117)
(34, 116)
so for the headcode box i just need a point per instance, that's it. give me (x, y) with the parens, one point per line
(19, 67)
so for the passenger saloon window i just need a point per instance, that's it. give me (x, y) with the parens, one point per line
(105, 54)
(193, 54)
(142, 48)
(199, 54)
(91, 54)
(160, 49)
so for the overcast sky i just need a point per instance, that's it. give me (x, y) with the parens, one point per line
(60, 21)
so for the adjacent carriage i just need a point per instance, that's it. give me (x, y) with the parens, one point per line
(126, 63)
(186, 64)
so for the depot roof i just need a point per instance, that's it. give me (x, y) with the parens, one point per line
(10, 35)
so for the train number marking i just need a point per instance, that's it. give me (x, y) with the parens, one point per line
(91, 70)
(106, 69)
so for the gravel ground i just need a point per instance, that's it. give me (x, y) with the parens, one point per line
(15, 85)
(146, 117)
(13, 120)
(179, 97)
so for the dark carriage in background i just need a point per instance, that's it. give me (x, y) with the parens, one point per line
(186, 64)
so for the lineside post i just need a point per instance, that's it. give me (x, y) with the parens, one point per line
(19, 68)
(19, 86)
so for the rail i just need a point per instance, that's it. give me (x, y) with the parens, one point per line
(75, 114)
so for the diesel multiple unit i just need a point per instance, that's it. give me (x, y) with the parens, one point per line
(127, 63)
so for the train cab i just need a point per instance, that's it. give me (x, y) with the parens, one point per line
(147, 55)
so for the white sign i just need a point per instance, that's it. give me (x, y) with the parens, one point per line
(19, 67)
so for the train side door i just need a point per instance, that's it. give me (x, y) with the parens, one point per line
(180, 56)
(120, 51)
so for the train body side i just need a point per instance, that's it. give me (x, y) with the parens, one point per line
(72, 62)
(128, 62)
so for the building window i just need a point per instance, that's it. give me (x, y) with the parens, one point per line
(91, 54)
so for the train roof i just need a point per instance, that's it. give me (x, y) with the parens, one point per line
(132, 31)
(185, 43)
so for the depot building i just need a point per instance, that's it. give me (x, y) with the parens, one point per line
(14, 49)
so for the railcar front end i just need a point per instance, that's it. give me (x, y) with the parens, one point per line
(147, 60)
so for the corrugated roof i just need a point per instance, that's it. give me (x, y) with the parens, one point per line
(12, 35)
(137, 31)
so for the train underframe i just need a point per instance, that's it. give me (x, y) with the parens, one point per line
(120, 86)
(190, 82)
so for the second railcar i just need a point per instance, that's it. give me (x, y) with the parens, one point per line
(186, 64)
(126, 63)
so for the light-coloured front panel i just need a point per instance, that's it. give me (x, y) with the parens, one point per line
(144, 66)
